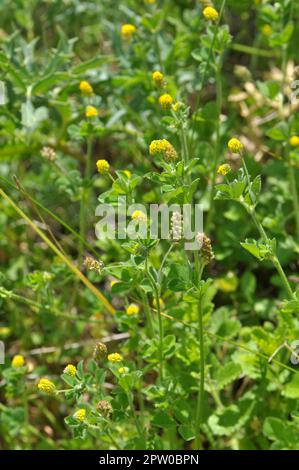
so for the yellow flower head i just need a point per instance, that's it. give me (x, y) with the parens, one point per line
(80, 414)
(294, 141)
(164, 148)
(123, 370)
(132, 309)
(70, 370)
(128, 173)
(165, 101)
(114, 357)
(235, 145)
(4, 331)
(18, 361)
(158, 78)
(223, 169)
(127, 31)
(151, 2)
(176, 106)
(267, 30)
(103, 166)
(91, 112)
(210, 14)
(46, 386)
(86, 88)
(139, 216)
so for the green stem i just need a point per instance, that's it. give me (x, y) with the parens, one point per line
(294, 193)
(217, 146)
(161, 330)
(133, 411)
(84, 203)
(200, 397)
(148, 315)
(202, 81)
(274, 258)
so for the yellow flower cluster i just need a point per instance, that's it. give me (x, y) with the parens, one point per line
(46, 386)
(163, 147)
(123, 370)
(127, 31)
(91, 112)
(18, 361)
(235, 145)
(86, 88)
(103, 166)
(223, 169)
(158, 78)
(114, 357)
(80, 415)
(165, 101)
(132, 309)
(294, 141)
(139, 216)
(210, 14)
(70, 370)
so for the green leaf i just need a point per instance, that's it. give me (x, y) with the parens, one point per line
(162, 419)
(186, 432)
(227, 374)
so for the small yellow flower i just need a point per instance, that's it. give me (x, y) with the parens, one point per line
(4, 331)
(165, 101)
(128, 173)
(132, 309)
(139, 216)
(163, 147)
(235, 145)
(294, 141)
(70, 370)
(18, 361)
(91, 112)
(103, 166)
(151, 2)
(85, 88)
(223, 169)
(158, 78)
(176, 106)
(127, 31)
(80, 415)
(267, 30)
(210, 14)
(123, 370)
(114, 357)
(46, 386)
(112, 283)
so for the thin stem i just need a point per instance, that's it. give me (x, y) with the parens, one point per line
(294, 193)
(133, 411)
(274, 258)
(163, 263)
(161, 330)
(84, 203)
(202, 81)
(200, 397)
(148, 315)
(217, 145)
